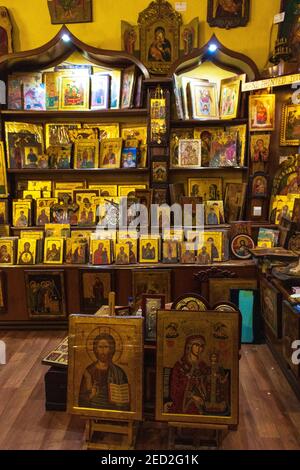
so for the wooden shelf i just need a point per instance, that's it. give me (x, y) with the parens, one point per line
(208, 122)
(71, 171)
(93, 114)
(223, 168)
(225, 264)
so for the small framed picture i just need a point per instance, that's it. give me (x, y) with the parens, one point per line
(24, 143)
(209, 189)
(6, 251)
(74, 92)
(21, 213)
(259, 185)
(3, 292)
(45, 294)
(262, 112)
(110, 153)
(170, 251)
(129, 157)
(230, 98)
(151, 303)
(131, 243)
(87, 214)
(86, 154)
(159, 172)
(100, 88)
(189, 153)
(105, 190)
(60, 133)
(127, 87)
(3, 211)
(289, 125)
(228, 14)
(240, 246)
(85, 196)
(260, 147)
(79, 250)
(53, 250)
(214, 212)
(234, 202)
(95, 285)
(30, 158)
(122, 253)
(149, 250)
(3, 178)
(204, 100)
(59, 156)
(101, 252)
(160, 196)
(223, 149)
(130, 189)
(26, 251)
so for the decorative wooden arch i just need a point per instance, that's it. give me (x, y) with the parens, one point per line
(57, 50)
(222, 57)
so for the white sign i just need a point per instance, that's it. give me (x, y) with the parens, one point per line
(180, 6)
(257, 211)
(279, 18)
(2, 352)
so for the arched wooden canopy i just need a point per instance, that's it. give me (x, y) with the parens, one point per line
(57, 50)
(222, 57)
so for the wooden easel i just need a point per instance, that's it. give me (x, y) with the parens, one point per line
(176, 440)
(110, 434)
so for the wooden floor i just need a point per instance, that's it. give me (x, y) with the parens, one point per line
(269, 411)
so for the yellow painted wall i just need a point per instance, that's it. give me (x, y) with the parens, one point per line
(32, 25)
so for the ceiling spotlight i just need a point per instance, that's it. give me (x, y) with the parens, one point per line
(66, 38)
(212, 47)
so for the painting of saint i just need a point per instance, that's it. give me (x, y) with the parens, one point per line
(228, 13)
(101, 255)
(99, 377)
(204, 100)
(53, 253)
(6, 253)
(259, 186)
(94, 289)
(260, 148)
(26, 254)
(160, 49)
(262, 112)
(70, 11)
(240, 246)
(199, 373)
(189, 153)
(45, 294)
(227, 8)
(105, 371)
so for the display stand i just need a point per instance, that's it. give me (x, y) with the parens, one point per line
(104, 434)
(210, 437)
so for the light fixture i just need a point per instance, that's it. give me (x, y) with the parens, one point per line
(212, 47)
(66, 38)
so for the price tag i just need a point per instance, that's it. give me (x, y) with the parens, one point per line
(279, 18)
(257, 211)
(180, 6)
